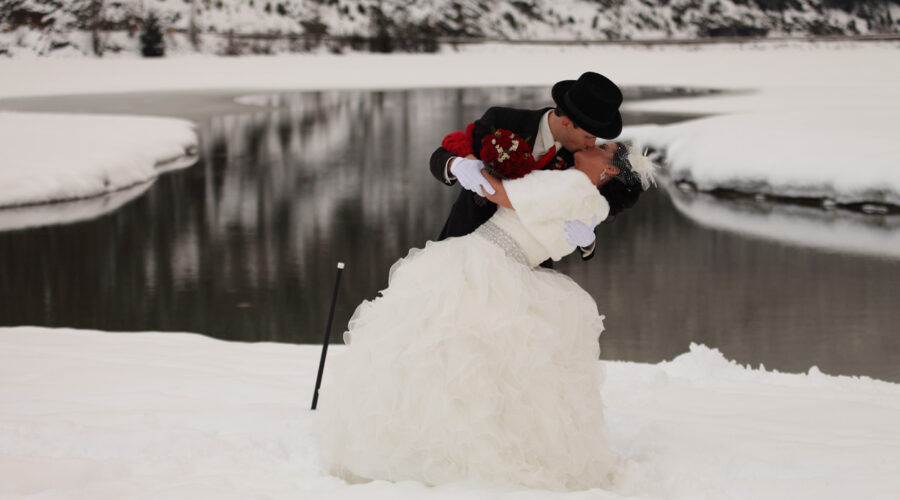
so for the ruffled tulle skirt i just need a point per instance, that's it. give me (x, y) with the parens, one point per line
(470, 367)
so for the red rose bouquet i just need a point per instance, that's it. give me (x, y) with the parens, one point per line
(506, 155)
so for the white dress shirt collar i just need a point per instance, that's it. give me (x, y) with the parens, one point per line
(544, 138)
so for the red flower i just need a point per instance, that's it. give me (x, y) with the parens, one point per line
(506, 155)
(557, 164)
(460, 143)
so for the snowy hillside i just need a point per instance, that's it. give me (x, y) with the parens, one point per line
(73, 27)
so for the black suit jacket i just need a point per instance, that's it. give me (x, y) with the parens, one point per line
(469, 210)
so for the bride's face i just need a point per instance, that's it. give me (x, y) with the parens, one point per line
(597, 162)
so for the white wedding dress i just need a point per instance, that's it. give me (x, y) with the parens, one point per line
(474, 365)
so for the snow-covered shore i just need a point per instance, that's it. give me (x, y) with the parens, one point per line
(100, 415)
(815, 120)
(57, 157)
(804, 226)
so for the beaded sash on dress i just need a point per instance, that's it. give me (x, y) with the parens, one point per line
(502, 239)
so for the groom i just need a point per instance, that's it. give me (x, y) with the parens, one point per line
(586, 109)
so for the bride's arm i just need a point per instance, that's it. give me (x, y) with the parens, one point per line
(499, 197)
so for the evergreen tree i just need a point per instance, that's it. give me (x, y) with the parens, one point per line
(382, 40)
(152, 43)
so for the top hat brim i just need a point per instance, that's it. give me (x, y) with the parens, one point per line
(605, 130)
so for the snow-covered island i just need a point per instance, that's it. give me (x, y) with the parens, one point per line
(59, 157)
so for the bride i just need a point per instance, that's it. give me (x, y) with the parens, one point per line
(475, 364)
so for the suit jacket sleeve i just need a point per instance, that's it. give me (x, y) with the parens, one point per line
(587, 253)
(483, 126)
(438, 164)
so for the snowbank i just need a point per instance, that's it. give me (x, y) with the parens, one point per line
(54, 157)
(836, 153)
(168, 415)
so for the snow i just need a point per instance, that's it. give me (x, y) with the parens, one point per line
(815, 120)
(87, 414)
(60, 32)
(788, 152)
(55, 157)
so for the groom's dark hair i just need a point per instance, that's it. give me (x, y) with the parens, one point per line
(562, 114)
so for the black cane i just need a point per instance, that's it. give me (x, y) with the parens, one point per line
(337, 283)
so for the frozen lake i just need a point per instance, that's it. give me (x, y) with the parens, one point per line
(244, 244)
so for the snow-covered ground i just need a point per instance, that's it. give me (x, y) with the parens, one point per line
(816, 120)
(158, 415)
(56, 157)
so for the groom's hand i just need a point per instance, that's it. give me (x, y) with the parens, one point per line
(580, 234)
(468, 172)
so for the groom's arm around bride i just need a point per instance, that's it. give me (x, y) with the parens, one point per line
(585, 109)
(470, 210)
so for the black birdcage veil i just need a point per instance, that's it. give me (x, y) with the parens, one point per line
(635, 169)
(626, 174)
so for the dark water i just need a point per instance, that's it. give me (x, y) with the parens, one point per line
(244, 246)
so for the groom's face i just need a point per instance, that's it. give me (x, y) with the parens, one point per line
(575, 138)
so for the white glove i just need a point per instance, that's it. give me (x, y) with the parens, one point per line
(580, 234)
(468, 173)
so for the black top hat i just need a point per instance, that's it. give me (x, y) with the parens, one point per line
(592, 102)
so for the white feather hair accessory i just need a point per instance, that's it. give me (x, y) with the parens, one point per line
(643, 167)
